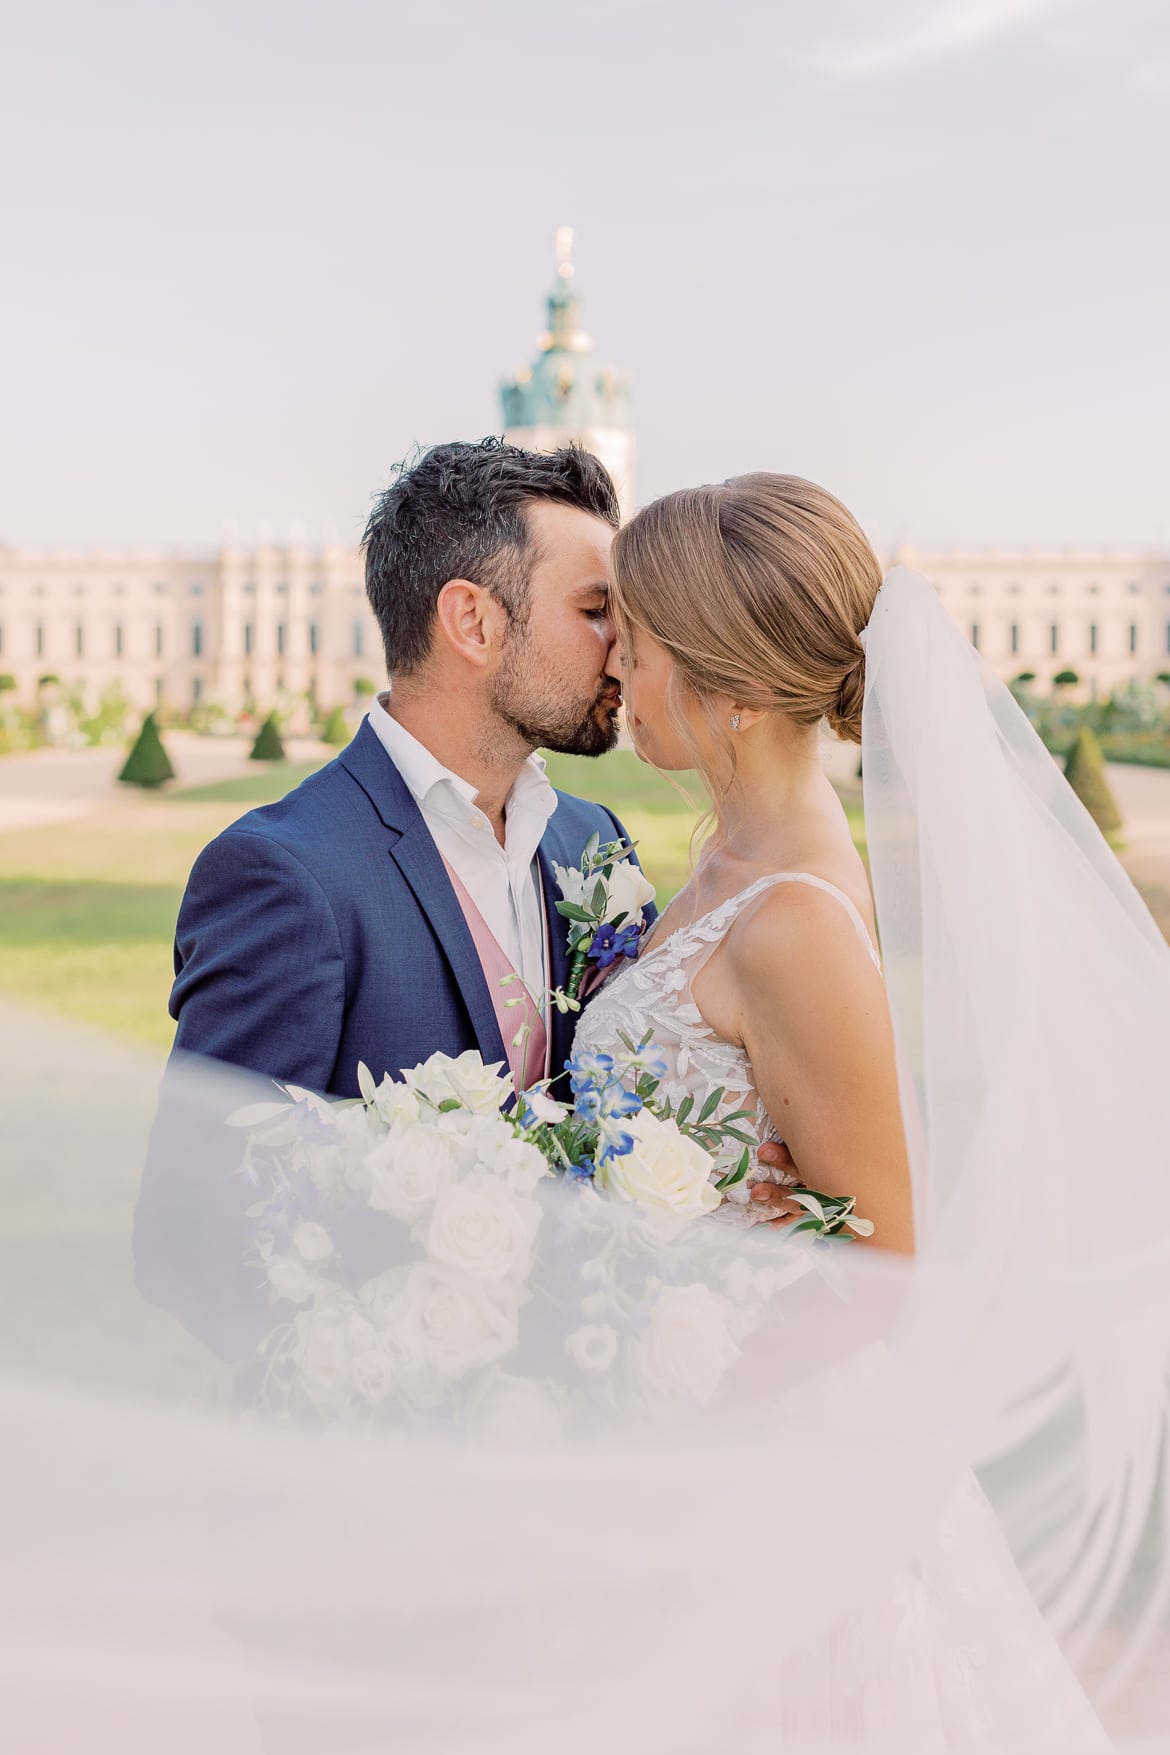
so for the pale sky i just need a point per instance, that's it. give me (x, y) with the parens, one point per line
(251, 251)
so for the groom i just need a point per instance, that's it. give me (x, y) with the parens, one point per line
(371, 915)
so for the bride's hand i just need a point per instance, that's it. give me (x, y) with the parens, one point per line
(772, 1195)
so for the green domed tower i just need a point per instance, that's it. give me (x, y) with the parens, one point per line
(565, 395)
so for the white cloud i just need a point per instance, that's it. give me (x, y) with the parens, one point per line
(923, 32)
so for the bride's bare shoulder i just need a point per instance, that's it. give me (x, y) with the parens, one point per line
(803, 928)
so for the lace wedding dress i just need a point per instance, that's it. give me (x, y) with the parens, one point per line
(950, 1656)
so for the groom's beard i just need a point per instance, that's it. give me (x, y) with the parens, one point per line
(566, 727)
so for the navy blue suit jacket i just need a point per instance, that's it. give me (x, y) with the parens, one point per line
(323, 931)
(314, 934)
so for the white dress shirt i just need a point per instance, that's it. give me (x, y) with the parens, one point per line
(504, 882)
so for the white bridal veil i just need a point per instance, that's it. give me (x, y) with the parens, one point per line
(186, 1569)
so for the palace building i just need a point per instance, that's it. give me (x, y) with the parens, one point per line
(280, 624)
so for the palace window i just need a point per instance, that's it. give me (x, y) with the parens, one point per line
(40, 639)
(247, 639)
(1133, 637)
(197, 639)
(313, 639)
(118, 639)
(196, 691)
(358, 639)
(975, 635)
(1015, 638)
(158, 639)
(1054, 638)
(79, 640)
(1092, 637)
(280, 639)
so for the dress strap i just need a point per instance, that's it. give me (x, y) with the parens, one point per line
(817, 883)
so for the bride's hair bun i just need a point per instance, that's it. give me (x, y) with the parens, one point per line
(844, 715)
(758, 588)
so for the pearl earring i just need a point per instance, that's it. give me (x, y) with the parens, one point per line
(734, 722)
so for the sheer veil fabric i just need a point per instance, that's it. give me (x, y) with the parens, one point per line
(184, 1570)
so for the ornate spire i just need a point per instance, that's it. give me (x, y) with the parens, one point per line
(563, 334)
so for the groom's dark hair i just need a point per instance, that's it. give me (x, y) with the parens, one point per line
(458, 512)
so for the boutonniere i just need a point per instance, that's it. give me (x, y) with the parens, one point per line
(602, 898)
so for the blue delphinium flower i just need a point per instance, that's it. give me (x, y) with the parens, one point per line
(613, 1141)
(611, 942)
(646, 1059)
(583, 1170)
(589, 1067)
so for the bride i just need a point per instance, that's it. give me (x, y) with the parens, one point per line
(743, 611)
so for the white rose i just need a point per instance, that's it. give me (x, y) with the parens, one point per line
(480, 1088)
(395, 1101)
(593, 1346)
(571, 883)
(628, 891)
(688, 1344)
(379, 1299)
(311, 1241)
(482, 1227)
(330, 1338)
(665, 1170)
(292, 1280)
(373, 1375)
(446, 1324)
(407, 1170)
(520, 1164)
(518, 1409)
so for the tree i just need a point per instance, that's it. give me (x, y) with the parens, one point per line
(1085, 773)
(148, 763)
(1025, 676)
(336, 727)
(1065, 679)
(363, 686)
(268, 747)
(7, 682)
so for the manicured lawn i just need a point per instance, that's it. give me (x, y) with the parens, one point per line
(87, 908)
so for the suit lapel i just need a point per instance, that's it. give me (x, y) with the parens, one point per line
(561, 1025)
(418, 859)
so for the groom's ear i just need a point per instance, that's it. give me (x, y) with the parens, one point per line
(469, 622)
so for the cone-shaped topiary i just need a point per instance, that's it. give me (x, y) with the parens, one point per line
(336, 728)
(268, 747)
(148, 763)
(1085, 773)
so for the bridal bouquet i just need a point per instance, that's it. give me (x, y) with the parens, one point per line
(429, 1261)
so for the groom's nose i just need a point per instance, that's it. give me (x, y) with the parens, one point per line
(612, 667)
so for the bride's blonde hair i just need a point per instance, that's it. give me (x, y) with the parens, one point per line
(758, 588)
